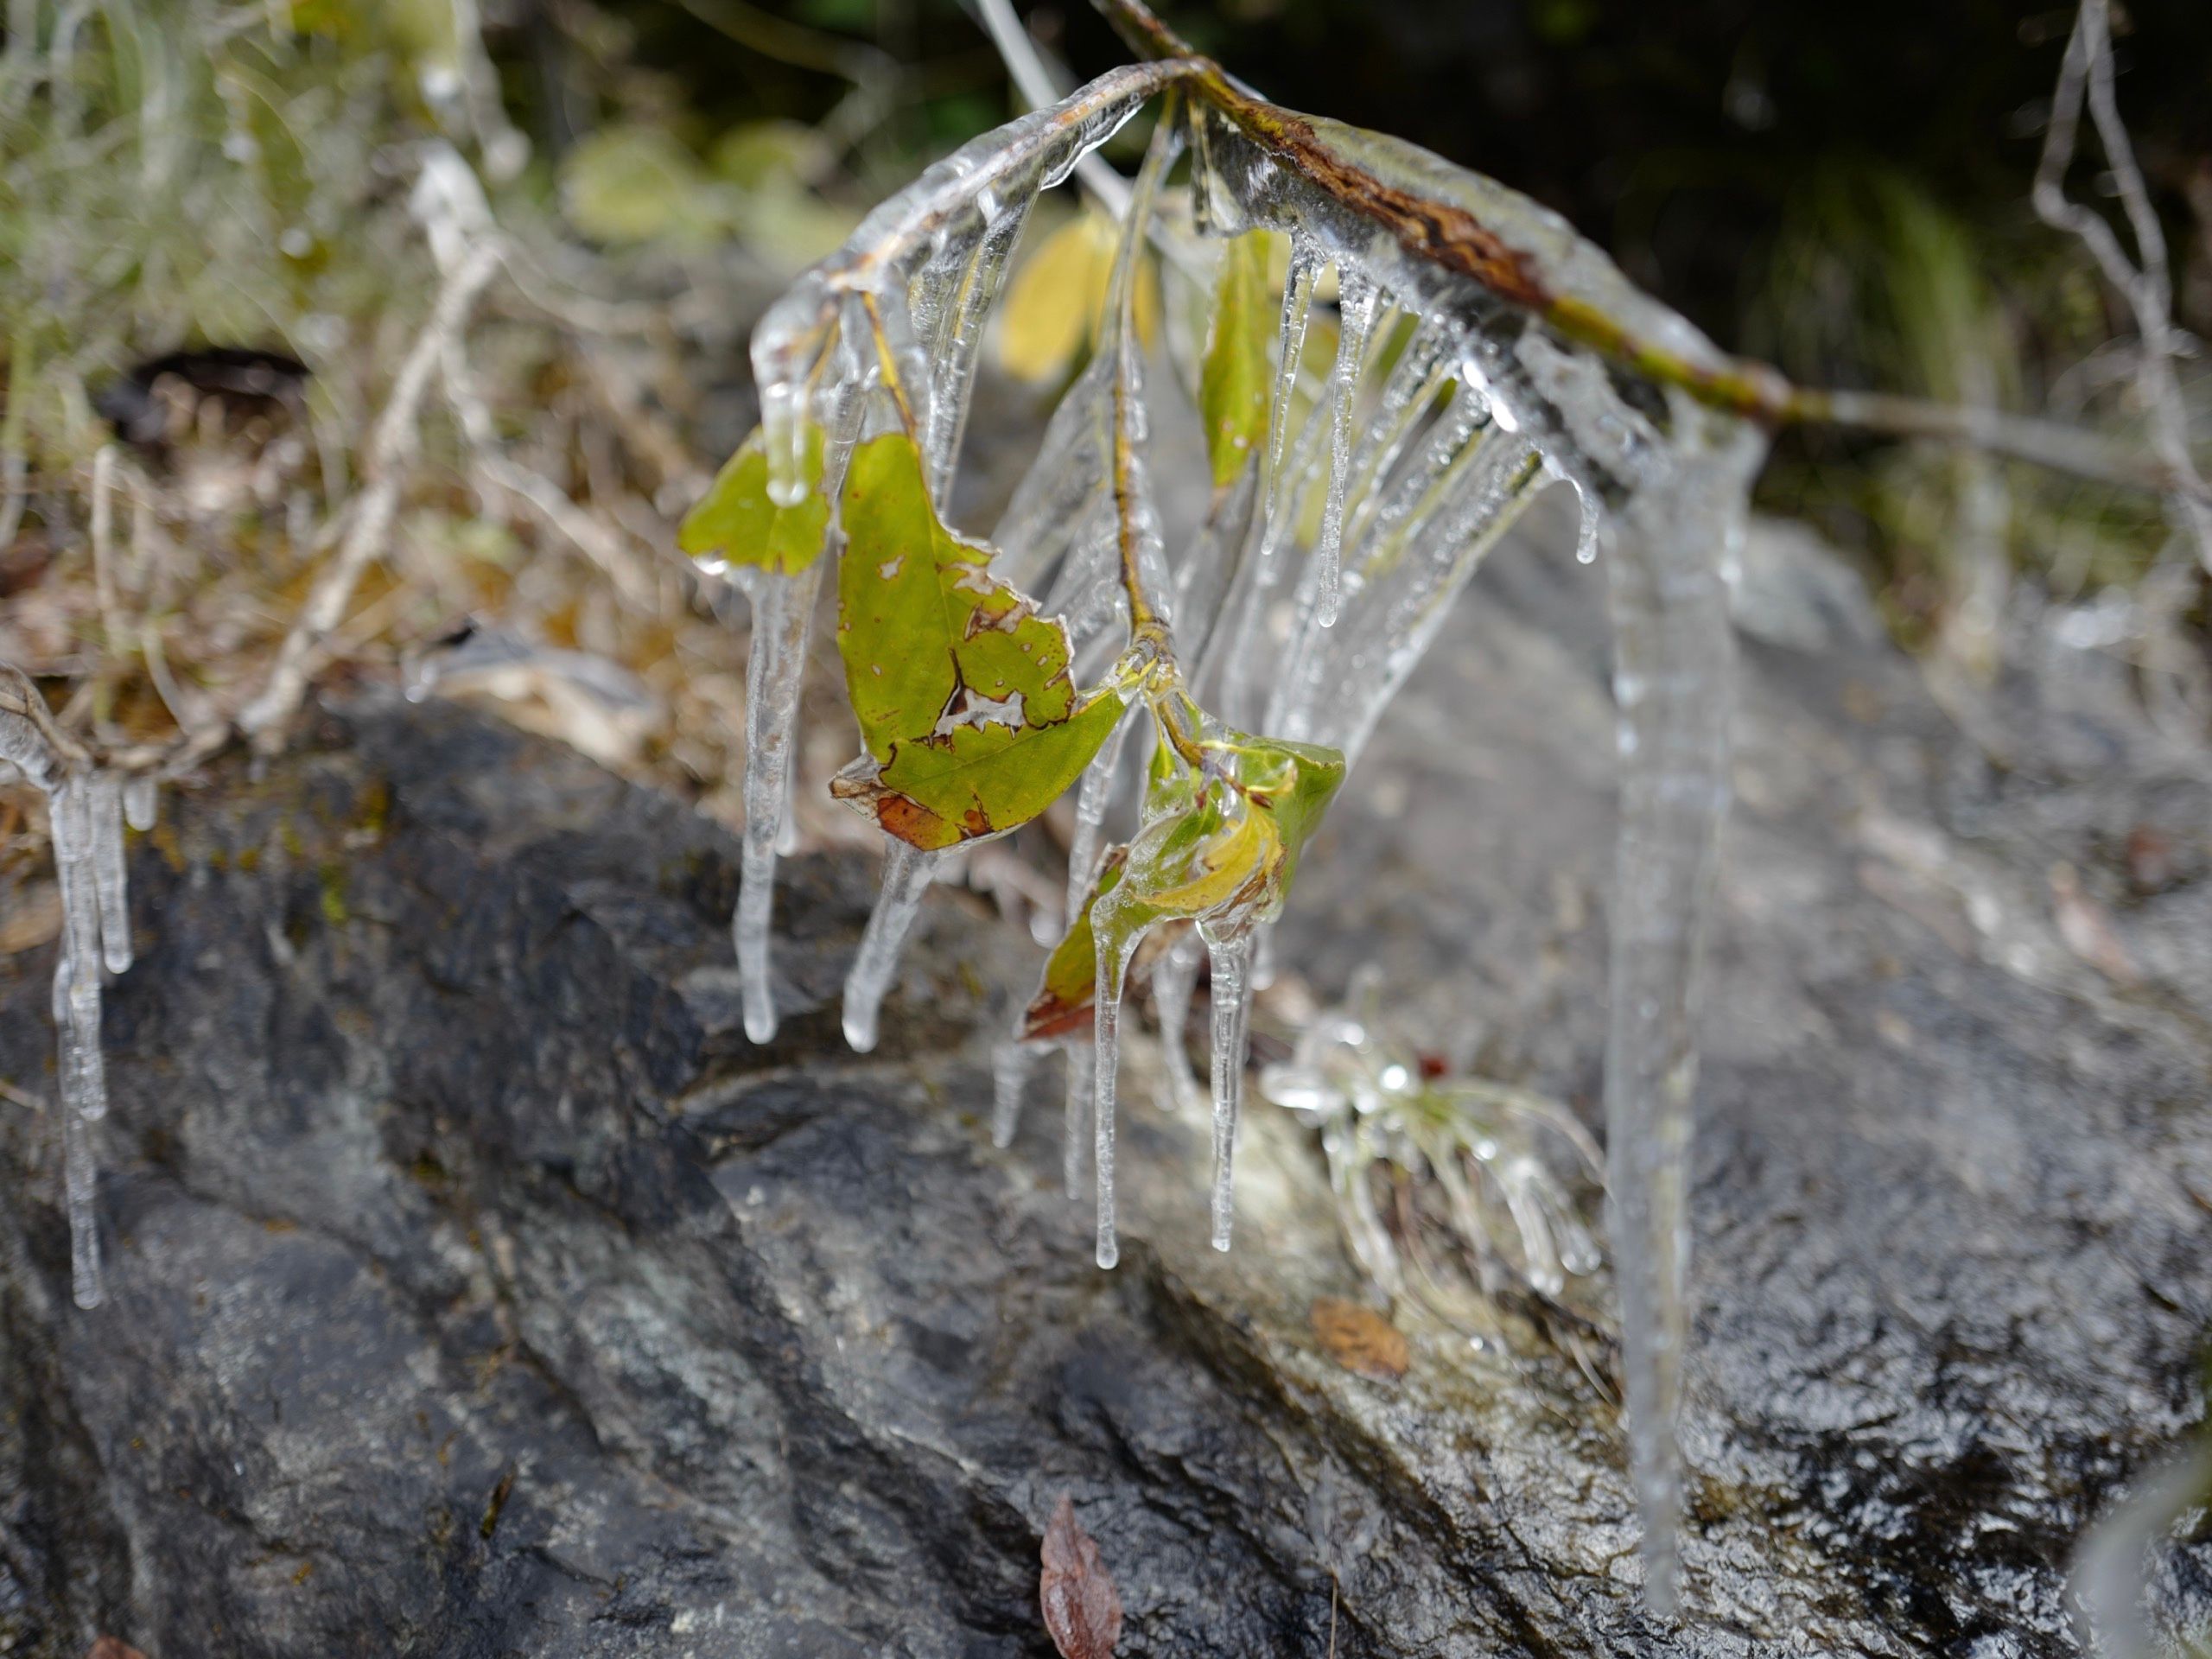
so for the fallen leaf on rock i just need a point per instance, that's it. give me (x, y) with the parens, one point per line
(1083, 1611)
(1360, 1339)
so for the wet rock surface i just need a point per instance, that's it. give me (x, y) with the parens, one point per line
(475, 1289)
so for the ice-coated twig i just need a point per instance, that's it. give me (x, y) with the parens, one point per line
(2086, 74)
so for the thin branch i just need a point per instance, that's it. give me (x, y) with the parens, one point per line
(1127, 397)
(2087, 73)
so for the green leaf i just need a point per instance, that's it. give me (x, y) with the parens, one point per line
(1065, 1001)
(1236, 381)
(969, 716)
(736, 523)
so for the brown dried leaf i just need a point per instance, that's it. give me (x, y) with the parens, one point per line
(1360, 1339)
(109, 1647)
(1083, 1611)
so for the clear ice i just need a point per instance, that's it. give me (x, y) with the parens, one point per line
(84, 809)
(1312, 591)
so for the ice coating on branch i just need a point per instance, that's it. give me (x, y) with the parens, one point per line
(85, 815)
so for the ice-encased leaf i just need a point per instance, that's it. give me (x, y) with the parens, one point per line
(737, 525)
(1236, 380)
(968, 714)
(1219, 847)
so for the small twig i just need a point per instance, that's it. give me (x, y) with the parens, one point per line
(391, 445)
(104, 546)
(2087, 74)
(22, 1097)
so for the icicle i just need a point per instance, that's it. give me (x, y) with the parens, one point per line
(1408, 396)
(783, 608)
(1175, 981)
(1673, 651)
(1231, 1005)
(82, 1068)
(1106, 1059)
(1307, 260)
(105, 804)
(1334, 692)
(1355, 302)
(906, 873)
(141, 801)
(1591, 521)
(775, 666)
(77, 977)
(80, 1173)
(1011, 1064)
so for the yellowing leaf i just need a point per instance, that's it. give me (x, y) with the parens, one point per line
(736, 523)
(970, 717)
(1064, 1001)
(1056, 300)
(1236, 380)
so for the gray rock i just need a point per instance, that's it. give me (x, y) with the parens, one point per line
(476, 1289)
